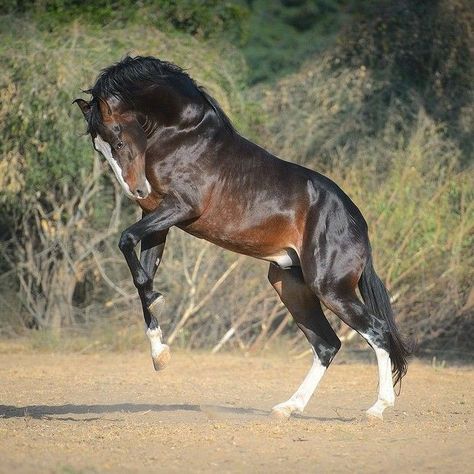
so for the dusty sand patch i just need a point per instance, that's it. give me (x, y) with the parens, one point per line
(113, 413)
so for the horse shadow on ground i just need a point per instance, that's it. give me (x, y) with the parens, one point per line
(54, 412)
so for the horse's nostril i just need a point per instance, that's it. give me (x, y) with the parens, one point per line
(140, 193)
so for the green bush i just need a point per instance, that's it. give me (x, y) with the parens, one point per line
(200, 18)
(423, 46)
(282, 34)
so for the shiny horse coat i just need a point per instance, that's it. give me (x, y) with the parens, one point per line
(176, 153)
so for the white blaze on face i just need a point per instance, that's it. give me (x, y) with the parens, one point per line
(106, 151)
(148, 186)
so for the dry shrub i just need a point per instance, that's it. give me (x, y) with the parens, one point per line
(421, 221)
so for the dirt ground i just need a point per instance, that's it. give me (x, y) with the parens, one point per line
(112, 413)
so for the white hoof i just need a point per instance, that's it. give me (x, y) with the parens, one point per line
(377, 409)
(281, 413)
(284, 410)
(374, 414)
(161, 357)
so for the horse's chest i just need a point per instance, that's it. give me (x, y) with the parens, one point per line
(150, 203)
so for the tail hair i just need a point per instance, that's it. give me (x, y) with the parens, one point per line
(377, 299)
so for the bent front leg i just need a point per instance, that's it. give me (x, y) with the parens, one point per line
(151, 252)
(169, 213)
(152, 248)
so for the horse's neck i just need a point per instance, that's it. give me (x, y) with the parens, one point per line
(222, 145)
(243, 150)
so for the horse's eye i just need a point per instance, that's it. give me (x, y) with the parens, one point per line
(119, 145)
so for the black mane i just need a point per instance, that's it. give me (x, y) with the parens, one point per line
(127, 78)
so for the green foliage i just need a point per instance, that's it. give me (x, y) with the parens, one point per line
(205, 19)
(200, 18)
(284, 33)
(423, 46)
(275, 36)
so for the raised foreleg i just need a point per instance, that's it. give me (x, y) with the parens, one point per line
(151, 230)
(152, 248)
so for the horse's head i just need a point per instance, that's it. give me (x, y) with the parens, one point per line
(121, 140)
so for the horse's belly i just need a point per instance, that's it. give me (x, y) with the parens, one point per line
(279, 247)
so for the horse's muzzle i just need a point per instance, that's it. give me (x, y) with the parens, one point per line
(142, 191)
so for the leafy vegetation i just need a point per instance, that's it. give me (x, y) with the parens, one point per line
(282, 34)
(199, 18)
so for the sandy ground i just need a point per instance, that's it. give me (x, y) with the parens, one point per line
(113, 413)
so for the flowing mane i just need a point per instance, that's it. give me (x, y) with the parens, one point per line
(126, 79)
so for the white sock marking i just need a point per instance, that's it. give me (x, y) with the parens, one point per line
(156, 346)
(301, 397)
(386, 395)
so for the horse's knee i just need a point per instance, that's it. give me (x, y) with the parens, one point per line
(141, 282)
(127, 241)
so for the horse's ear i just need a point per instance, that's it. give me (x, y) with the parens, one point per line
(84, 106)
(105, 109)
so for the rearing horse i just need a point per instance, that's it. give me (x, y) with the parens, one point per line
(175, 153)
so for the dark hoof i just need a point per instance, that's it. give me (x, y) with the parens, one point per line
(157, 305)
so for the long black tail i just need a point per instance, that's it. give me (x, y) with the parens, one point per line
(377, 300)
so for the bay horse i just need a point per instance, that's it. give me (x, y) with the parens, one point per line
(176, 153)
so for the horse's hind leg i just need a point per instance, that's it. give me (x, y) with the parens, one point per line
(305, 308)
(152, 302)
(374, 329)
